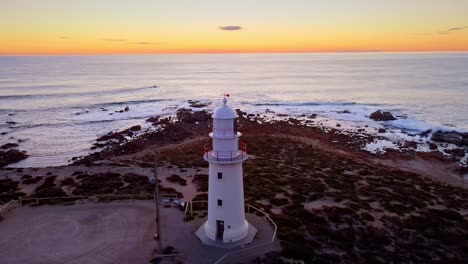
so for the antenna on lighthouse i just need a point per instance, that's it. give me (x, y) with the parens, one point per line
(225, 98)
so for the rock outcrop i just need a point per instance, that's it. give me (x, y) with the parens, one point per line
(188, 116)
(11, 156)
(380, 115)
(453, 137)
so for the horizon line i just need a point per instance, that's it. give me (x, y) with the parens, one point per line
(234, 52)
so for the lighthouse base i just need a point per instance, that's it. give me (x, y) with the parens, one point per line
(251, 232)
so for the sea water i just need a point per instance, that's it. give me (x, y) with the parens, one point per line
(56, 106)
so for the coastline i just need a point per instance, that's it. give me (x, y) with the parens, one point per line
(315, 178)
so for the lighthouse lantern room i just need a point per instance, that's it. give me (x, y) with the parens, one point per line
(226, 215)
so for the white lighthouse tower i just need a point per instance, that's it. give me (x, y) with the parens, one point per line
(226, 216)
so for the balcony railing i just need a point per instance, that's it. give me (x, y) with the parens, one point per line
(239, 154)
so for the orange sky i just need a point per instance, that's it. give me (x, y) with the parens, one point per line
(183, 26)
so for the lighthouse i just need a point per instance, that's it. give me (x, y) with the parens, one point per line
(226, 215)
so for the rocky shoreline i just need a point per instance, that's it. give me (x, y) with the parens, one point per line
(333, 200)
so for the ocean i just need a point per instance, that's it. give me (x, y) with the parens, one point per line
(56, 106)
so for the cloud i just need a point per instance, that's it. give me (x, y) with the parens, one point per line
(230, 28)
(115, 39)
(446, 32)
(456, 28)
(443, 32)
(65, 37)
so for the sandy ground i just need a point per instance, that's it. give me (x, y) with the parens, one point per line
(119, 232)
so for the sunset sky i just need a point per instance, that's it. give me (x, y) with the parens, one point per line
(216, 26)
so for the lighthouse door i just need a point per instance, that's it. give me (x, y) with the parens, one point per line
(219, 229)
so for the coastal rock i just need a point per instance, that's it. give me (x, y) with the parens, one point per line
(453, 137)
(380, 115)
(185, 115)
(425, 133)
(9, 145)
(456, 152)
(111, 135)
(135, 128)
(411, 144)
(11, 123)
(382, 130)
(11, 156)
(127, 109)
(202, 116)
(198, 104)
(432, 146)
(153, 119)
(240, 113)
(188, 116)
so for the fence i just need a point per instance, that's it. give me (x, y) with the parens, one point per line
(97, 198)
(246, 253)
(8, 207)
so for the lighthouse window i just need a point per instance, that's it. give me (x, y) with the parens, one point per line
(220, 202)
(220, 175)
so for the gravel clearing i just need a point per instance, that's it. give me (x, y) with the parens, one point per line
(118, 232)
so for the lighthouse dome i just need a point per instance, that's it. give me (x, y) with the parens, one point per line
(224, 112)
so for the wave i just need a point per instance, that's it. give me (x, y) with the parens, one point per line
(130, 102)
(302, 103)
(52, 95)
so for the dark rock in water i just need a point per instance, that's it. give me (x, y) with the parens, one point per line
(382, 130)
(11, 156)
(269, 111)
(155, 86)
(11, 123)
(432, 146)
(11, 114)
(455, 152)
(127, 109)
(153, 119)
(453, 137)
(282, 115)
(411, 144)
(3, 133)
(344, 112)
(312, 116)
(9, 145)
(198, 104)
(425, 133)
(135, 128)
(379, 115)
(338, 124)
